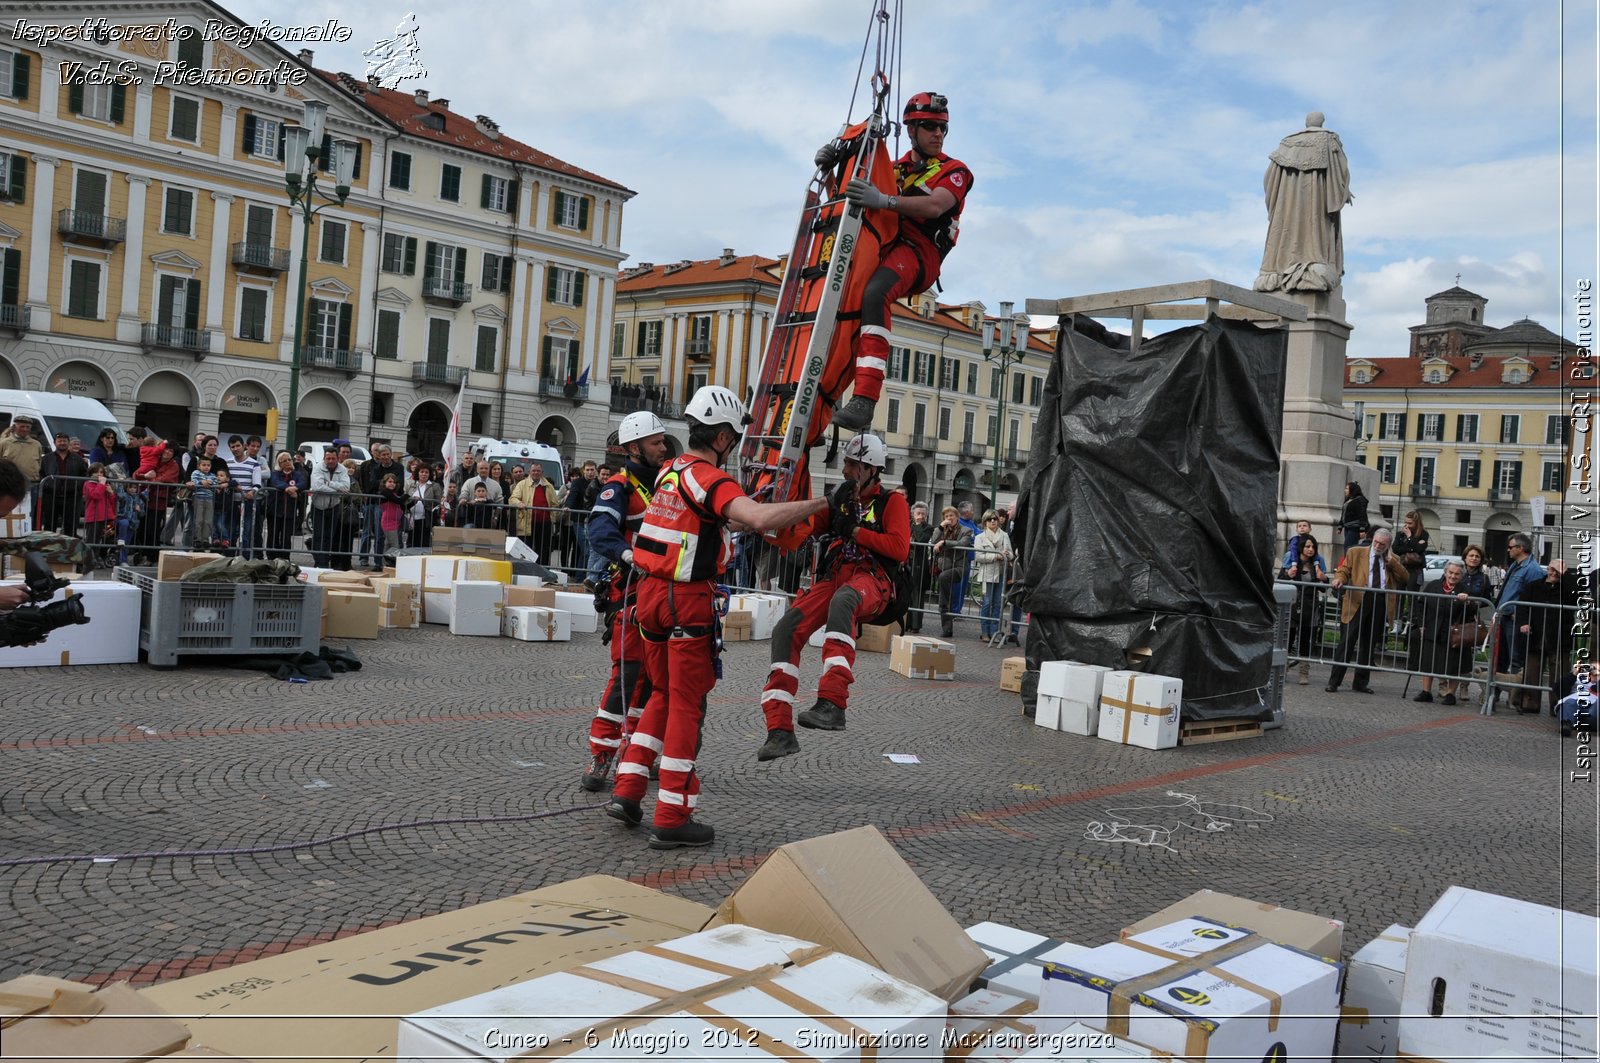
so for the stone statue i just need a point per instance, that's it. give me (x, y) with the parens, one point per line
(1307, 185)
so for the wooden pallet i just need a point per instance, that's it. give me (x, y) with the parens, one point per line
(1199, 732)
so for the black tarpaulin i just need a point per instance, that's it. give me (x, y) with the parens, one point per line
(1149, 503)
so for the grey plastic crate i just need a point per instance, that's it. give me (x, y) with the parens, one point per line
(178, 619)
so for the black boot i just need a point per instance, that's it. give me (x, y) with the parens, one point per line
(594, 780)
(823, 716)
(688, 835)
(628, 813)
(855, 415)
(779, 744)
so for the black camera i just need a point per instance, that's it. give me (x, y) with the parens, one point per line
(33, 622)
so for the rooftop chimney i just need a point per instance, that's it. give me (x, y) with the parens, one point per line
(442, 104)
(421, 96)
(488, 127)
(728, 256)
(305, 56)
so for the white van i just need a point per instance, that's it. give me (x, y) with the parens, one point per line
(76, 415)
(523, 452)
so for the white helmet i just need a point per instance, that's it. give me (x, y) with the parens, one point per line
(638, 425)
(867, 449)
(715, 406)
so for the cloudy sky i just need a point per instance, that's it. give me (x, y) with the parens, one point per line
(1115, 143)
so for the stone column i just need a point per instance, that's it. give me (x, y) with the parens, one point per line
(129, 311)
(1319, 446)
(294, 292)
(217, 275)
(533, 345)
(44, 208)
(366, 297)
(602, 347)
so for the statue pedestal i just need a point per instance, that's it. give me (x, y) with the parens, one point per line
(1319, 445)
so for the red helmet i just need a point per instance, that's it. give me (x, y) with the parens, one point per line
(929, 106)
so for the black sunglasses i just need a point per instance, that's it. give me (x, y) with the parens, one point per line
(935, 127)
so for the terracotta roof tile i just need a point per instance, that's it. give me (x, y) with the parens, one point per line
(1408, 373)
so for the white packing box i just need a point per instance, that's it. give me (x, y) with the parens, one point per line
(1370, 1016)
(1018, 957)
(581, 606)
(435, 574)
(740, 992)
(990, 1027)
(1492, 976)
(765, 610)
(1059, 714)
(536, 623)
(110, 637)
(476, 606)
(521, 551)
(1200, 989)
(1139, 709)
(1079, 1043)
(1076, 688)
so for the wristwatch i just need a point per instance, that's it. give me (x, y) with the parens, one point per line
(894, 203)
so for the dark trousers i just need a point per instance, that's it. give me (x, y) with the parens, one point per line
(324, 523)
(1357, 641)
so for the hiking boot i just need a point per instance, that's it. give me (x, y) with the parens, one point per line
(855, 415)
(686, 835)
(594, 780)
(823, 716)
(779, 744)
(1423, 697)
(626, 812)
(1448, 699)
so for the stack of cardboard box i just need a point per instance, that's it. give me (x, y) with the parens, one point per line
(922, 657)
(764, 610)
(436, 574)
(1069, 696)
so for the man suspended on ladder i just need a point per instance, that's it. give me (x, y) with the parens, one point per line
(933, 189)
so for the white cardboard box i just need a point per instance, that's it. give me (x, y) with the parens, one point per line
(736, 985)
(1079, 1043)
(435, 574)
(1200, 989)
(1139, 709)
(1369, 1019)
(536, 623)
(1077, 688)
(110, 637)
(581, 606)
(1018, 957)
(1489, 975)
(475, 607)
(1060, 714)
(765, 611)
(989, 1026)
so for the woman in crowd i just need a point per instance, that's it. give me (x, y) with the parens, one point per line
(108, 452)
(1434, 642)
(288, 484)
(1410, 545)
(1309, 571)
(1475, 580)
(1353, 517)
(497, 518)
(951, 542)
(423, 491)
(992, 551)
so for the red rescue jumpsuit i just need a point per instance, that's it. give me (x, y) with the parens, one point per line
(854, 588)
(682, 547)
(618, 511)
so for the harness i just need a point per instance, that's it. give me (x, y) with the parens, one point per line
(942, 231)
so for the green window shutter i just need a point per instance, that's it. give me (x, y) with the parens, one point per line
(248, 138)
(283, 135)
(191, 306)
(355, 175)
(168, 294)
(10, 286)
(513, 196)
(638, 345)
(487, 280)
(75, 98)
(583, 212)
(544, 356)
(18, 182)
(550, 284)
(325, 153)
(19, 75)
(577, 287)
(557, 206)
(572, 358)
(411, 256)
(483, 196)
(119, 102)
(461, 265)
(430, 261)
(344, 327)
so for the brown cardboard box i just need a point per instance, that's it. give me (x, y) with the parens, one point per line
(344, 579)
(1315, 934)
(1011, 670)
(396, 592)
(738, 625)
(400, 617)
(170, 564)
(540, 597)
(350, 614)
(877, 638)
(922, 657)
(122, 1025)
(29, 993)
(470, 542)
(853, 893)
(276, 1006)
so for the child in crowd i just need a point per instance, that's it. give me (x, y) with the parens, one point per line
(391, 514)
(99, 512)
(220, 535)
(202, 499)
(478, 513)
(130, 513)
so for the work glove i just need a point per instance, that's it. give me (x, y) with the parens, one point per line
(827, 156)
(844, 522)
(865, 194)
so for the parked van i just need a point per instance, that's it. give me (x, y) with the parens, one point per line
(313, 452)
(76, 415)
(523, 452)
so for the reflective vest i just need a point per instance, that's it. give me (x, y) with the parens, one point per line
(681, 538)
(639, 495)
(871, 518)
(936, 172)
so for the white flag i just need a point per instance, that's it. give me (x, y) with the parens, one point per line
(448, 448)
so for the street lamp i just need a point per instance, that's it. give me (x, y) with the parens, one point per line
(1007, 354)
(301, 146)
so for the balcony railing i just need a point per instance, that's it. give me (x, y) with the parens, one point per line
(261, 256)
(435, 373)
(172, 338)
(928, 444)
(1507, 496)
(698, 348)
(1421, 491)
(1016, 455)
(331, 358)
(95, 226)
(969, 449)
(551, 388)
(14, 317)
(445, 290)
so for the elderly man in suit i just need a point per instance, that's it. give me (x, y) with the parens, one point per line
(1363, 616)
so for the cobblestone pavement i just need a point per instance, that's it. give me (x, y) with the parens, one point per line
(1363, 808)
